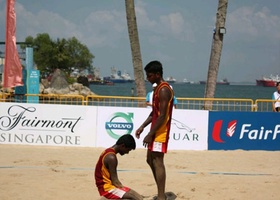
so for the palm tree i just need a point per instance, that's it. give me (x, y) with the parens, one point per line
(216, 52)
(135, 48)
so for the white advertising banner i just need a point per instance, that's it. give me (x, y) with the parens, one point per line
(113, 122)
(91, 126)
(44, 124)
(188, 129)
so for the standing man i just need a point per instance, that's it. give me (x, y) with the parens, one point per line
(276, 97)
(157, 138)
(106, 177)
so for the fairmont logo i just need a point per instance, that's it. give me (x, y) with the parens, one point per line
(20, 117)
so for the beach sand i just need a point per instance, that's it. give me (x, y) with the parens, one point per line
(66, 173)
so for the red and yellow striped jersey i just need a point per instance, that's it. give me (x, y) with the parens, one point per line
(162, 134)
(102, 175)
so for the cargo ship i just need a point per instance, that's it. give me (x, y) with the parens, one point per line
(221, 82)
(268, 81)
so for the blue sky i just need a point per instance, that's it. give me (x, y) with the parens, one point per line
(176, 32)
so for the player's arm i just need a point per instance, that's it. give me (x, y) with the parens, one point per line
(148, 99)
(148, 103)
(141, 128)
(273, 103)
(111, 163)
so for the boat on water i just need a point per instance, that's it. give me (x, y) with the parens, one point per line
(170, 79)
(95, 79)
(268, 81)
(100, 82)
(186, 81)
(118, 76)
(221, 82)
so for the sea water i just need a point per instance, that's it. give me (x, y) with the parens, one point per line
(235, 91)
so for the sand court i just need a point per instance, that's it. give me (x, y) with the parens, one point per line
(41, 172)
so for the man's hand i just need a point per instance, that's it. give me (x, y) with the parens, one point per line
(147, 140)
(139, 131)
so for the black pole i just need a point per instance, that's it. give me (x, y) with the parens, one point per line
(16, 43)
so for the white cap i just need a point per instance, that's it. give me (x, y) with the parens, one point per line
(154, 85)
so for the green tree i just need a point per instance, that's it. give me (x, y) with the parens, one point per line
(135, 48)
(80, 54)
(59, 54)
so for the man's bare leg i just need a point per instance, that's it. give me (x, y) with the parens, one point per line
(132, 195)
(156, 162)
(150, 163)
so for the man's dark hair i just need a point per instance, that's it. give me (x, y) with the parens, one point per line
(128, 141)
(154, 67)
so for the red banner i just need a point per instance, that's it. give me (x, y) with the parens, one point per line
(12, 67)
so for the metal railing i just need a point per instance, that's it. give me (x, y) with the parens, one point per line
(115, 101)
(43, 98)
(7, 97)
(62, 99)
(217, 104)
(264, 105)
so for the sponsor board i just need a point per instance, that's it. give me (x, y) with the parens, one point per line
(43, 124)
(188, 127)
(244, 130)
(113, 122)
(188, 130)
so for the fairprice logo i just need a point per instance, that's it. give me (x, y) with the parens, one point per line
(216, 132)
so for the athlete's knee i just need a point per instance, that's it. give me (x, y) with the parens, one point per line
(158, 162)
(149, 161)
